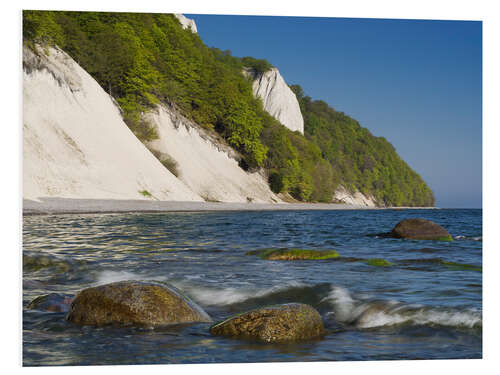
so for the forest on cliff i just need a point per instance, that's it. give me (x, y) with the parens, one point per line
(146, 59)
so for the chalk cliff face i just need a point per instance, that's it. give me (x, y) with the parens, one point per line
(206, 164)
(186, 22)
(279, 100)
(75, 143)
(356, 199)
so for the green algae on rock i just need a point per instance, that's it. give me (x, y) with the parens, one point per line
(278, 323)
(134, 302)
(441, 262)
(378, 262)
(294, 254)
(420, 229)
(462, 266)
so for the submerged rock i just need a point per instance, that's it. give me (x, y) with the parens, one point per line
(33, 263)
(134, 302)
(288, 322)
(420, 229)
(378, 262)
(294, 254)
(54, 302)
(441, 262)
(462, 266)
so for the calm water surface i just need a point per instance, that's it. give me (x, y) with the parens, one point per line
(417, 308)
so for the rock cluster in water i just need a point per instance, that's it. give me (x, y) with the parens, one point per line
(420, 229)
(151, 304)
(134, 302)
(288, 322)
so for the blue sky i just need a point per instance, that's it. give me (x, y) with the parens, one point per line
(418, 83)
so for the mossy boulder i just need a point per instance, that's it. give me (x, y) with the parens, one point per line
(134, 302)
(278, 323)
(420, 229)
(294, 254)
(53, 302)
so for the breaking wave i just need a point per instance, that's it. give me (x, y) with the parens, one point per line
(333, 302)
(247, 295)
(469, 238)
(379, 313)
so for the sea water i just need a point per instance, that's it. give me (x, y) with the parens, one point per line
(426, 305)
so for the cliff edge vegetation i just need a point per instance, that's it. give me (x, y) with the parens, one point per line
(143, 60)
(359, 160)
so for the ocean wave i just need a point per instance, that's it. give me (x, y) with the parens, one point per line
(469, 238)
(232, 295)
(108, 276)
(334, 302)
(205, 295)
(378, 313)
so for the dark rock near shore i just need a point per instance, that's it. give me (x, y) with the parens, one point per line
(420, 229)
(279, 323)
(54, 302)
(134, 302)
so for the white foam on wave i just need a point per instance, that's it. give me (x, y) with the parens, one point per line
(344, 304)
(106, 277)
(189, 285)
(423, 316)
(371, 314)
(230, 295)
(473, 238)
(206, 296)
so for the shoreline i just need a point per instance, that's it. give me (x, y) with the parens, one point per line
(47, 206)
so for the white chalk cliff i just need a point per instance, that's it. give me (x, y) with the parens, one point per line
(356, 199)
(75, 143)
(187, 22)
(279, 100)
(206, 164)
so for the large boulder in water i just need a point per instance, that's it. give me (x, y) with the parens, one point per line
(288, 322)
(420, 229)
(134, 302)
